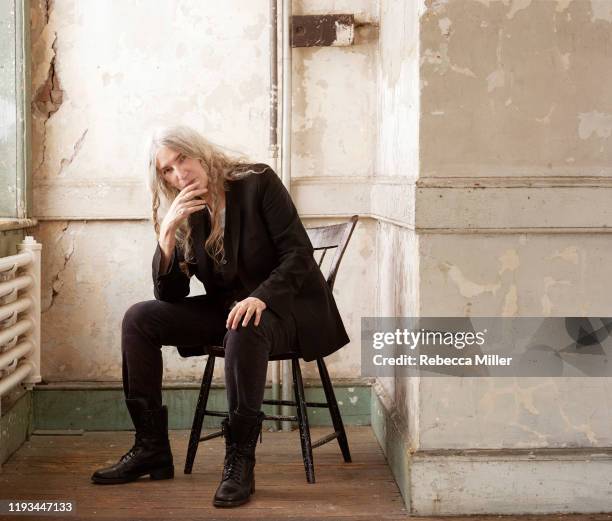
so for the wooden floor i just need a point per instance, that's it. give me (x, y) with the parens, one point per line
(59, 467)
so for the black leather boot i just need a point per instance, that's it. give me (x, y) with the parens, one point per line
(238, 479)
(151, 451)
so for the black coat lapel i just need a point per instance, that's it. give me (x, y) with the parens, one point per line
(231, 238)
(200, 231)
(201, 227)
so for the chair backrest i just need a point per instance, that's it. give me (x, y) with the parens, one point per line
(325, 238)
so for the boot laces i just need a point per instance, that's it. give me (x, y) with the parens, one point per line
(138, 442)
(236, 455)
(128, 455)
(232, 469)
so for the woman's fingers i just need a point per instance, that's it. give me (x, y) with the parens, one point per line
(246, 308)
(191, 194)
(230, 318)
(182, 207)
(185, 203)
(185, 209)
(247, 316)
(193, 202)
(194, 209)
(190, 187)
(184, 193)
(189, 190)
(239, 313)
(257, 316)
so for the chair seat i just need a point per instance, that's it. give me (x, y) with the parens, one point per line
(219, 351)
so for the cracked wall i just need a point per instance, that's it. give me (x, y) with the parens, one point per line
(103, 75)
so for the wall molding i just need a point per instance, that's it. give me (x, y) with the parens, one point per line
(429, 205)
(568, 181)
(9, 224)
(520, 209)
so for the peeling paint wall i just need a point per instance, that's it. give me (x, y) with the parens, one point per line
(334, 133)
(515, 110)
(513, 88)
(397, 295)
(515, 275)
(397, 152)
(104, 74)
(398, 159)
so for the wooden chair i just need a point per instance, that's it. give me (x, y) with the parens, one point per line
(323, 239)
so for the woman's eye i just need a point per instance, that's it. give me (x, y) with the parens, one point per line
(181, 158)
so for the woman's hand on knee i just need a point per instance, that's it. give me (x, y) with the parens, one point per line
(244, 310)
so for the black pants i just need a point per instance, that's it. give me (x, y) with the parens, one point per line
(199, 321)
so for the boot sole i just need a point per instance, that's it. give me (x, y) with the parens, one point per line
(155, 475)
(228, 504)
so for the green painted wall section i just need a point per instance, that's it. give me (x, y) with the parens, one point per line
(104, 409)
(392, 441)
(15, 425)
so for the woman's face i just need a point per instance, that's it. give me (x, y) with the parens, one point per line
(179, 170)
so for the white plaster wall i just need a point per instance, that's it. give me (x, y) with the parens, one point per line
(398, 88)
(398, 158)
(398, 295)
(104, 74)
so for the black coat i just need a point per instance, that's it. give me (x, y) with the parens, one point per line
(267, 246)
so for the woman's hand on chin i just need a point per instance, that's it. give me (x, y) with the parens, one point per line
(244, 310)
(189, 200)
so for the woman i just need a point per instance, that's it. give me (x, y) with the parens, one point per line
(234, 226)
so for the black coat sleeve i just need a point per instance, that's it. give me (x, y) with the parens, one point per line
(291, 241)
(172, 285)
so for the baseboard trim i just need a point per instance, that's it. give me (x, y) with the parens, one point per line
(70, 407)
(15, 424)
(392, 438)
(493, 481)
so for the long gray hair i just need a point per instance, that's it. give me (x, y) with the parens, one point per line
(221, 169)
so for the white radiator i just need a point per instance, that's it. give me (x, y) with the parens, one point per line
(20, 317)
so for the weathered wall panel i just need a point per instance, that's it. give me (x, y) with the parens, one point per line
(515, 88)
(512, 102)
(104, 74)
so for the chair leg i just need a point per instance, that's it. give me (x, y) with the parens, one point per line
(334, 410)
(302, 414)
(198, 417)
